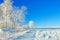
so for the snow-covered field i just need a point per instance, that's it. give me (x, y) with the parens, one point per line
(32, 34)
(40, 35)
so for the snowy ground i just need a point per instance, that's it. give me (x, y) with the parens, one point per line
(34, 34)
(40, 35)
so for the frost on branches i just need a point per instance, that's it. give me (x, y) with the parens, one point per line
(11, 18)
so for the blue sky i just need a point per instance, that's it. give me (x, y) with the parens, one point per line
(42, 12)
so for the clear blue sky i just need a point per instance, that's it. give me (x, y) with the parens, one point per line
(42, 12)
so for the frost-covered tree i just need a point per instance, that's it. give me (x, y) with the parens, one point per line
(31, 24)
(11, 17)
